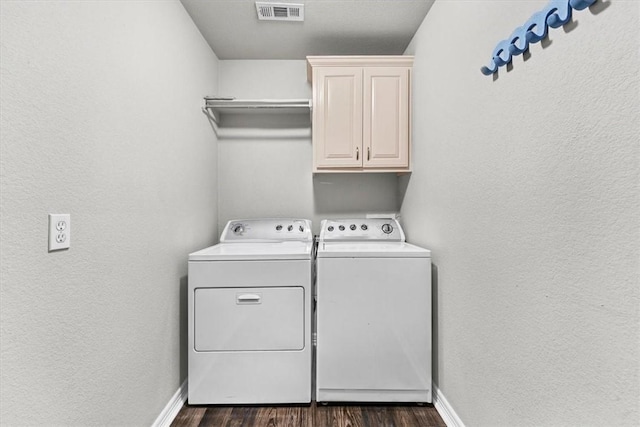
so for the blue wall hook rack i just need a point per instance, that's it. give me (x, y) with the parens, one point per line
(554, 15)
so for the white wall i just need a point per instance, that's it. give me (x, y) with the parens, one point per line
(101, 119)
(526, 189)
(272, 177)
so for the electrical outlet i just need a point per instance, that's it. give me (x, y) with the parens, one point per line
(59, 231)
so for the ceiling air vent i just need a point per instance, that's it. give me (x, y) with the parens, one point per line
(280, 11)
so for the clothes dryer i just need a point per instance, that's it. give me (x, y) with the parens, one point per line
(373, 314)
(249, 315)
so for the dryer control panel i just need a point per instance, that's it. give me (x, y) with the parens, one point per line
(267, 230)
(361, 229)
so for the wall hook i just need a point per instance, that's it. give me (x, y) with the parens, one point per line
(554, 15)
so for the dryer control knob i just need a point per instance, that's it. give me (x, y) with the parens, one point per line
(353, 227)
(290, 227)
(341, 228)
(278, 227)
(301, 228)
(238, 228)
(387, 228)
(364, 227)
(330, 228)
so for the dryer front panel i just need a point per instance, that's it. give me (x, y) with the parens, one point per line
(249, 332)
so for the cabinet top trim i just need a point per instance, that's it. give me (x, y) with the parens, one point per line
(358, 61)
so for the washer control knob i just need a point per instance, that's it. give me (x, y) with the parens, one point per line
(238, 228)
(387, 228)
(364, 227)
(278, 227)
(301, 228)
(330, 228)
(341, 228)
(352, 227)
(290, 227)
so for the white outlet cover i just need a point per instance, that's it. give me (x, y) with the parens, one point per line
(59, 231)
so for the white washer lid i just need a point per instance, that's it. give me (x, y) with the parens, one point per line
(254, 251)
(371, 250)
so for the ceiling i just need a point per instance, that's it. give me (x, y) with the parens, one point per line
(331, 27)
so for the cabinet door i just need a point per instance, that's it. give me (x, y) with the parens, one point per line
(337, 117)
(386, 117)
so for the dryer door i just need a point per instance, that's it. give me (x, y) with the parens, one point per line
(249, 319)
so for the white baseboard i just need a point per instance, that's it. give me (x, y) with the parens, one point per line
(174, 405)
(442, 405)
(178, 399)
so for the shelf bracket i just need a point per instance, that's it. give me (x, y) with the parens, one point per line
(213, 120)
(211, 115)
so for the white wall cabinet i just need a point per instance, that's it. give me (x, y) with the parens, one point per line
(361, 113)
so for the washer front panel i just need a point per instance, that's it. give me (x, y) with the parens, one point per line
(373, 330)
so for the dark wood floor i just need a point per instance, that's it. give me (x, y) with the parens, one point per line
(313, 415)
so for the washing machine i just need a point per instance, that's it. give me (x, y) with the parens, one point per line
(249, 315)
(373, 314)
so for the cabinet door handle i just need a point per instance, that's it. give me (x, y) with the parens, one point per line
(368, 153)
(357, 153)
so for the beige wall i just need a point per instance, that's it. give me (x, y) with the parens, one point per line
(526, 189)
(100, 105)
